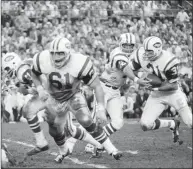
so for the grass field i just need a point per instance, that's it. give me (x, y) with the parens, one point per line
(153, 149)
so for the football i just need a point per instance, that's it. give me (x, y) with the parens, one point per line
(155, 80)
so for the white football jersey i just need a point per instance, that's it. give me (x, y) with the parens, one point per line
(113, 73)
(165, 67)
(64, 82)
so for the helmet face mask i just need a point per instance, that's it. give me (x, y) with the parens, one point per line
(60, 52)
(127, 48)
(127, 43)
(153, 48)
(59, 58)
(10, 62)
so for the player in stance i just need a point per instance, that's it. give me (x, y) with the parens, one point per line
(152, 59)
(113, 78)
(65, 71)
(32, 105)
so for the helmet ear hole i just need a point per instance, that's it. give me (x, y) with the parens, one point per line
(7, 68)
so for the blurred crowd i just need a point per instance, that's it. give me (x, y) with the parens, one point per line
(94, 27)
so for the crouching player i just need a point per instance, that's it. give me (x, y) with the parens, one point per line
(22, 70)
(65, 71)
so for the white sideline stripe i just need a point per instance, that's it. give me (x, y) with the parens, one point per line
(74, 160)
(131, 152)
(190, 148)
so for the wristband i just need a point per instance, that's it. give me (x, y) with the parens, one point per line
(155, 89)
(136, 79)
(140, 74)
(39, 88)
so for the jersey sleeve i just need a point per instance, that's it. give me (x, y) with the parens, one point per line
(134, 62)
(171, 70)
(36, 65)
(87, 72)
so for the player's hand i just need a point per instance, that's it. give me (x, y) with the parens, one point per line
(32, 91)
(144, 82)
(101, 113)
(43, 94)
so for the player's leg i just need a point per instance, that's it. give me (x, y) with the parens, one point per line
(115, 110)
(79, 108)
(179, 101)
(152, 110)
(29, 111)
(76, 133)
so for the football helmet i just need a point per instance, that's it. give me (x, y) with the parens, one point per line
(127, 42)
(60, 51)
(10, 62)
(153, 48)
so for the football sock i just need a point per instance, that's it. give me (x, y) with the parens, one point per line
(109, 129)
(34, 124)
(158, 123)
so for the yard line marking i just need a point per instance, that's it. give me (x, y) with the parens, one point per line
(74, 160)
(190, 148)
(131, 152)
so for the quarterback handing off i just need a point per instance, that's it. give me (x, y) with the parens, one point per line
(113, 78)
(65, 71)
(152, 59)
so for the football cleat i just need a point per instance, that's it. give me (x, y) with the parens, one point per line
(89, 148)
(176, 132)
(37, 150)
(61, 157)
(116, 155)
(98, 152)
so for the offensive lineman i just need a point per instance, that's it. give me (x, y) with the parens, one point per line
(152, 59)
(65, 71)
(22, 70)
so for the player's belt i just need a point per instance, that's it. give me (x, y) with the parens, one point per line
(113, 87)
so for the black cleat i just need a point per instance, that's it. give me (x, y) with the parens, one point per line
(60, 157)
(98, 153)
(37, 150)
(176, 131)
(116, 155)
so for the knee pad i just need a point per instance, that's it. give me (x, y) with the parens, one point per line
(28, 110)
(186, 116)
(117, 124)
(84, 119)
(145, 125)
(52, 130)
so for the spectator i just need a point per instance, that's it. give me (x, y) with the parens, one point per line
(22, 22)
(182, 16)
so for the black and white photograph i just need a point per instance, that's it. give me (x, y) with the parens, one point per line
(96, 84)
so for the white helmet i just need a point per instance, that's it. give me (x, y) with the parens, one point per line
(153, 48)
(10, 62)
(127, 42)
(60, 50)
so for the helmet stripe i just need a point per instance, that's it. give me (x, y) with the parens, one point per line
(127, 38)
(131, 38)
(148, 42)
(58, 44)
(53, 45)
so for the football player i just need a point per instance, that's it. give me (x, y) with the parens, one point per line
(113, 78)
(65, 71)
(32, 105)
(154, 60)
